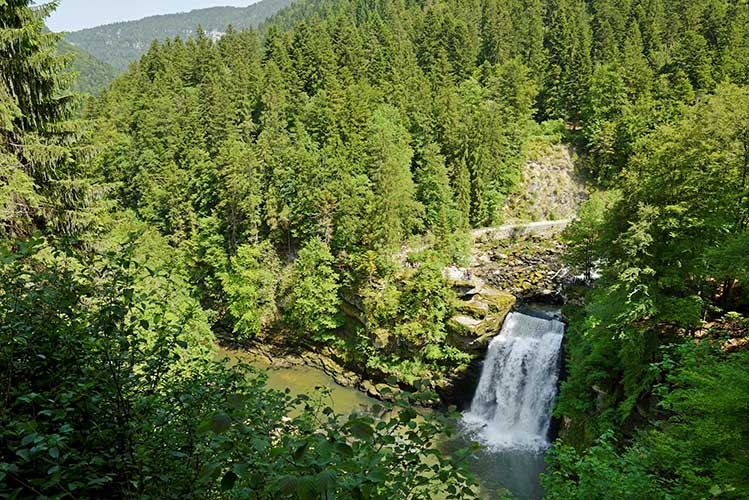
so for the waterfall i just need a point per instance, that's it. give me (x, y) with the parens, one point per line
(513, 401)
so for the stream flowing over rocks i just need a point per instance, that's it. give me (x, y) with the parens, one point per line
(509, 266)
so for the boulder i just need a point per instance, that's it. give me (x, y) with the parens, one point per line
(475, 308)
(381, 338)
(500, 303)
(471, 334)
(479, 319)
(461, 277)
(466, 326)
(347, 379)
(368, 387)
(387, 392)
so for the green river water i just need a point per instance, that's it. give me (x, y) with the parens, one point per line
(497, 472)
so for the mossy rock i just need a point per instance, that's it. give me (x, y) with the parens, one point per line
(467, 326)
(480, 319)
(500, 302)
(471, 334)
(475, 308)
(382, 338)
(458, 277)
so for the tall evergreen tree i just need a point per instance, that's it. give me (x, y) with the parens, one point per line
(569, 42)
(42, 180)
(395, 212)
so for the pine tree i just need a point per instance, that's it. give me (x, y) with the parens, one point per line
(735, 54)
(240, 185)
(396, 211)
(42, 180)
(434, 193)
(461, 182)
(251, 285)
(312, 298)
(570, 66)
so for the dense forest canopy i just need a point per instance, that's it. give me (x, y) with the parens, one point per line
(267, 185)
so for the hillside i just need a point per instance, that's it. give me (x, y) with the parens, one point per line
(93, 74)
(347, 185)
(119, 44)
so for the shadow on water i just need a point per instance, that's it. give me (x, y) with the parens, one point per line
(306, 380)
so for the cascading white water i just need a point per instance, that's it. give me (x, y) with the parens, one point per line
(513, 401)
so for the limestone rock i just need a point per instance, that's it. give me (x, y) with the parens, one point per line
(368, 387)
(466, 325)
(461, 277)
(499, 302)
(347, 379)
(479, 318)
(381, 338)
(475, 308)
(470, 334)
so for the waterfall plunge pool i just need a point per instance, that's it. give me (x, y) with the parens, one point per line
(509, 414)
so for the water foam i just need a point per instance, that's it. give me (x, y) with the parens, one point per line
(511, 408)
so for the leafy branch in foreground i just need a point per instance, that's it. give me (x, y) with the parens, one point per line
(109, 391)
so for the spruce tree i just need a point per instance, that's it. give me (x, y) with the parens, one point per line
(42, 184)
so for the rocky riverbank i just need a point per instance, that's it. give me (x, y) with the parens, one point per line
(326, 360)
(502, 275)
(529, 268)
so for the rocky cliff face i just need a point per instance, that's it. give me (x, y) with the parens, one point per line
(552, 187)
(501, 273)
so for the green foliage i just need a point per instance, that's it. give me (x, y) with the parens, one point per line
(601, 472)
(42, 170)
(312, 301)
(408, 325)
(341, 133)
(667, 245)
(395, 212)
(703, 445)
(699, 451)
(251, 286)
(584, 234)
(111, 390)
(88, 347)
(433, 192)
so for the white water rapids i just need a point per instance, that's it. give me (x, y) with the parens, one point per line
(511, 408)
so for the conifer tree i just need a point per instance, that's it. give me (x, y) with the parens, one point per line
(313, 302)
(395, 213)
(42, 181)
(569, 43)
(434, 193)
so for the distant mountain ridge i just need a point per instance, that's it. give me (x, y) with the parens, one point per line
(121, 43)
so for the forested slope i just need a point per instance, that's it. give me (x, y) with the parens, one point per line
(119, 44)
(93, 76)
(335, 144)
(284, 171)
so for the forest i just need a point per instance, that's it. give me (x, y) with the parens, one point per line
(264, 188)
(122, 43)
(92, 75)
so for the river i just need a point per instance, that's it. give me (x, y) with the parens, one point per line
(497, 470)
